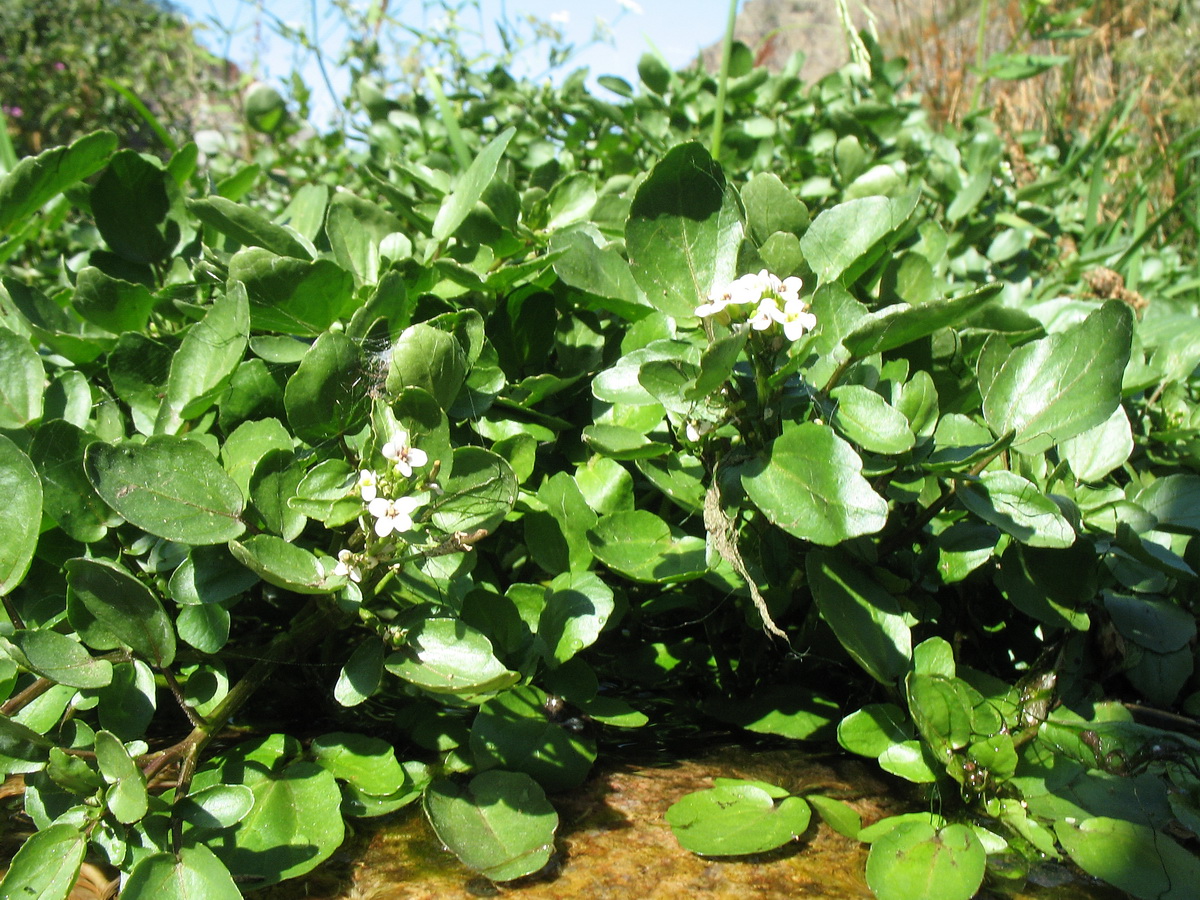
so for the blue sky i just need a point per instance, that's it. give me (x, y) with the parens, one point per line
(678, 30)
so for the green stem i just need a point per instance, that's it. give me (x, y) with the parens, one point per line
(723, 80)
(980, 41)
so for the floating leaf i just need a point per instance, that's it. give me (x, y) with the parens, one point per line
(736, 819)
(499, 824)
(192, 873)
(916, 861)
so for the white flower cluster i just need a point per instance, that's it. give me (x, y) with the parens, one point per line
(763, 300)
(391, 515)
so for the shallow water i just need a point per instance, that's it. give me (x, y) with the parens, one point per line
(614, 844)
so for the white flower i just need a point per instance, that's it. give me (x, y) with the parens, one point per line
(562, 17)
(405, 457)
(766, 315)
(632, 6)
(393, 515)
(789, 289)
(346, 566)
(796, 319)
(368, 485)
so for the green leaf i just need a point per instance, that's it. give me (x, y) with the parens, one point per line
(941, 710)
(866, 619)
(47, 865)
(683, 232)
(37, 179)
(839, 237)
(736, 819)
(512, 731)
(214, 808)
(22, 379)
(479, 493)
(499, 824)
(289, 295)
(137, 207)
(578, 605)
(193, 873)
(902, 324)
(915, 861)
(203, 366)
(113, 304)
(1094, 453)
(57, 657)
(294, 825)
(446, 656)
(429, 358)
(22, 750)
(839, 816)
(601, 271)
(1017, 507)
(870, 421)
(1060, 386)
(772, 207)
(810, 485)
(327, 395)
(210, 574)
(169, 486)
(368, 763)
(1174, 501)
(360, 677)
(21, 524)
(470, 187)
(284, 565)
(1147, 863)
(873, 728)
(247, 226)
(641, 546)
(126, 796)
(125, 606)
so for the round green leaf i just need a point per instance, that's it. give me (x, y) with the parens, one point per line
(1135, 858)
(448, 657)
(500, 824)
(21, 523)
(37, 179)
(291, 295)
(124, 606)
(368, 763)
(840, 236)
(641, 546)
(1016, 506)
(195, 872)
(918, 862)
(810, 485)
(870, 421)
(294, 825)
(169, 486)
(360, 677)
(512, 731)
(479, 493)
(873, 728)
(578, 604)
(429, 358)
(736, 819)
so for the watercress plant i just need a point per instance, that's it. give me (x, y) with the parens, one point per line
(408, 475)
